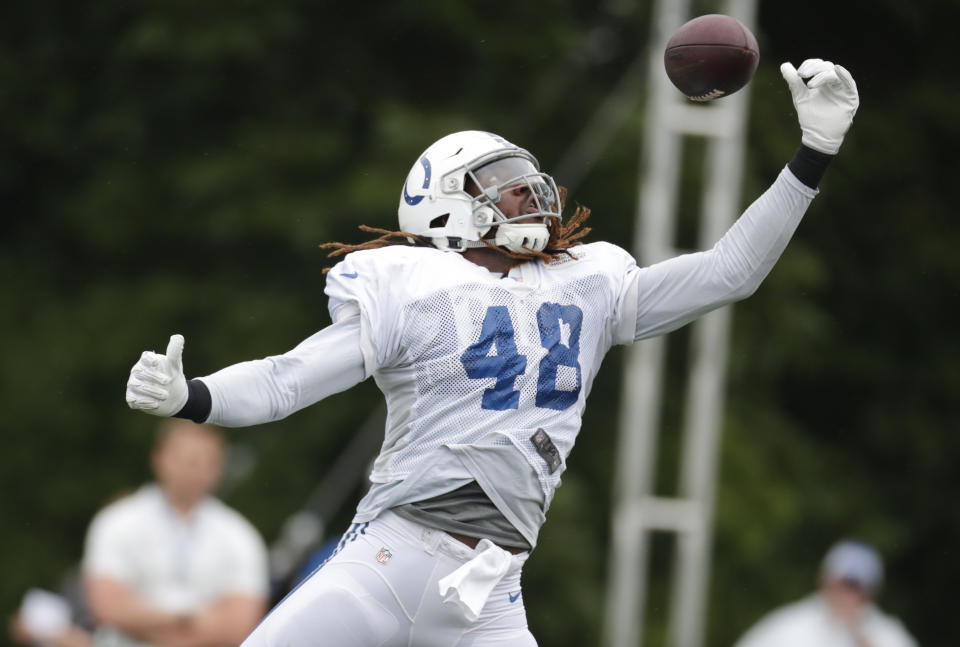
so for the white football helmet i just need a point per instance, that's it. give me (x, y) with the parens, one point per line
(438, 201)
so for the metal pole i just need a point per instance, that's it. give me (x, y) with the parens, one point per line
(637, 512)
(641, 397)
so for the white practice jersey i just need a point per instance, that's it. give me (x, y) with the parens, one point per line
(465, 357)
(474, 364)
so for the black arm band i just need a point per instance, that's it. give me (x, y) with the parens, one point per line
(809, 165)
(198, 403)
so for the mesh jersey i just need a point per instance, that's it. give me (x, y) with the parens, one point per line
(465, 356)
(473, 364)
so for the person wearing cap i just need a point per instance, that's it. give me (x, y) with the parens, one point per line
(841, 613)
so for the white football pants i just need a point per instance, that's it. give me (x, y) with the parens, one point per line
(381, 589)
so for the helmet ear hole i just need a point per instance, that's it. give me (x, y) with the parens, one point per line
(439, 221)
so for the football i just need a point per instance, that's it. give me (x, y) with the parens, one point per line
(711, 56)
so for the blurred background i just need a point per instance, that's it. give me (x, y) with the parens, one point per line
(173, 166)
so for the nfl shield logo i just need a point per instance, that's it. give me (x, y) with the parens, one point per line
(384, 555)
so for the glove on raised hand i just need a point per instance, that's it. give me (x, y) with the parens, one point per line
(825, 104)
(157, 384)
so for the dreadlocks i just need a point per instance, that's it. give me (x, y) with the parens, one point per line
(562, 237)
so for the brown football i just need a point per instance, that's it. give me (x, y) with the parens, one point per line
(711, 56)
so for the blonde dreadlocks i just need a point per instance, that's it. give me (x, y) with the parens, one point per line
(562, 237)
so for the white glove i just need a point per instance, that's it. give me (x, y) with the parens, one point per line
(825, 104)
(157, 384)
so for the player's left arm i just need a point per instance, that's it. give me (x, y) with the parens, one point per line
(679, 290)
(249, 393)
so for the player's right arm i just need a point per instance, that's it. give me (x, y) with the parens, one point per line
(252, 392)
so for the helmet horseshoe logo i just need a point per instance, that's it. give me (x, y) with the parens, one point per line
(415, 200)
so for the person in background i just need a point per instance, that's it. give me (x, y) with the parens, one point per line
(170, 564)
(841, 613)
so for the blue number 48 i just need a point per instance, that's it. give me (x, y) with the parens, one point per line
(495, 355)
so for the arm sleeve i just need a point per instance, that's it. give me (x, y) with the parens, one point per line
(269, 389)
(674, 292)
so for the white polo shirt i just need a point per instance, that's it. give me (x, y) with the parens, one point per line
(176, 563)
(810, 623)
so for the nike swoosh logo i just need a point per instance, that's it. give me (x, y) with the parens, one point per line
(350, 276)
(513, 596)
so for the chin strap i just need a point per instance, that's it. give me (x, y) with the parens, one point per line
(520, 238)
(510, 238)
(467, 244)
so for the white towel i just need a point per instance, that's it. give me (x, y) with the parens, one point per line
(470, 585)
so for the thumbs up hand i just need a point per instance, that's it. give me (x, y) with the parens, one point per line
(157, 384)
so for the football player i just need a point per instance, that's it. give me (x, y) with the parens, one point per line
(484, 322)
